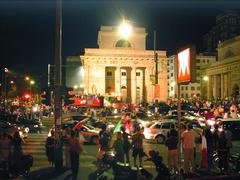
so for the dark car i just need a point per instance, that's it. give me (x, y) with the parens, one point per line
(11, 129)
(30, 125)
(232, 125)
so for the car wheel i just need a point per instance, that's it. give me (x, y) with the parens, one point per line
(160, 139)
(94, 140)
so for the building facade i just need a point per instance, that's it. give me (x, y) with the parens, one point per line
(123, 67)
(227, 26)
(224, 75)
(192, 89)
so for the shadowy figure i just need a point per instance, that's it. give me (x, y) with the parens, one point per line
(50, 148)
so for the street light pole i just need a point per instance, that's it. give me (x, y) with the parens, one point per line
(57, 86)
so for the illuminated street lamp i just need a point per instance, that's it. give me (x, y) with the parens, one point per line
(27, 78)
(205, 78)
(75, 87)
(125, 29)
(32, 82)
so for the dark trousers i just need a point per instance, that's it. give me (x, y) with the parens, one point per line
(74, 158)
(223, 159)
(126, 153)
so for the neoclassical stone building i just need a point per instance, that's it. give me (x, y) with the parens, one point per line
(224, 75)
(123, 67)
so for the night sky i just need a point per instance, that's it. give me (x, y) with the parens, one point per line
(27, 28)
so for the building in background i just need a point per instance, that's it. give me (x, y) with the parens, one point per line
(120, 67)
(227, 26)
(192, 89)
(223, 77)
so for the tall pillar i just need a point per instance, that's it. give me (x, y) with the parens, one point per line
(209, 88)
(222, 85)
(117, 80)
(86, 79)
(103, 81)
(229, 85)
(133, 85)
(215, 86)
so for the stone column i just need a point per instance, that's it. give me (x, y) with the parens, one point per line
(117, 80)
(215, 86)
(86, 79)
(133, 84)
(222, 85)
(229, 85)
(103, 82)
(209, 88)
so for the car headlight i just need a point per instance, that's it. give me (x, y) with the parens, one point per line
(35, 126)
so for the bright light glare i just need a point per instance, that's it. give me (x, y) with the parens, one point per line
(32, 82)
(125, 30)
(75, 86)
(205, 78)
(96, 73)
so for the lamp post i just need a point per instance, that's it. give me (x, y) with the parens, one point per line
(5, 87)
(32, 82)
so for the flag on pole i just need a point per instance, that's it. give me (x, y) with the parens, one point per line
(118, 127)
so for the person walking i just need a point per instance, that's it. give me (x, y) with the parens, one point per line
(210, 146)
(118, 147)
(49, 145)
(188, 138)
(137, 146)
(126, 144)
(74, 151)
(172, 145)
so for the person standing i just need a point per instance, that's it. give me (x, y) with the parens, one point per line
(118, 147)
(172, 144)
(188, 139)
(5, 147)
(50, 148)
(74, 151)
(210, 146)
(137, 146)
(17, 153)
(222, 151)
(126, 144)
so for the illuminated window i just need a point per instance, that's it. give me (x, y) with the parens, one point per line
(123, 43)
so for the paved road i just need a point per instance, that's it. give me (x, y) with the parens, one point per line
(35, 146)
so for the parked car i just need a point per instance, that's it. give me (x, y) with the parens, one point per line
(30, 125)
(90, 133)
(159, 130)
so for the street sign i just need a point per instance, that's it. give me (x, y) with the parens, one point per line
(186, 65)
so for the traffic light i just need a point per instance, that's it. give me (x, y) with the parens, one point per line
(45, 97)
(26, 97)
(69, 96)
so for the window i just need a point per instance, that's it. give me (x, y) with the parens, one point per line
(182, 88)
(186, 88)
(166, 126)
(138, 74)
(109, 73)
(171, 74)
(192, 88)
(123, 43)
(198, 88)
(158, 126)
(124, 73)
(171, 88)
(198, 60)
(186, 95)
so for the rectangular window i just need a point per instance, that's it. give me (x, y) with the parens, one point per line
(109, 73)
(182, 88)
(124, 74)
(171, 74)
(192, 88)
(186, 88)
(171, 88)
(137, 73)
